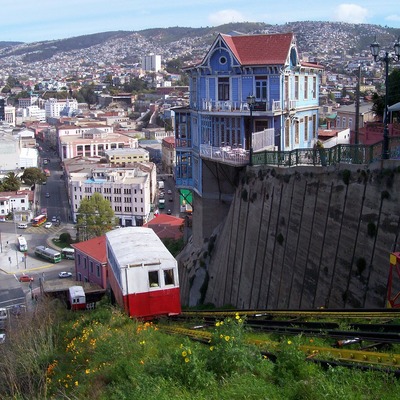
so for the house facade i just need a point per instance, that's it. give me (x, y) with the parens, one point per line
(249, 93)
(91, 261)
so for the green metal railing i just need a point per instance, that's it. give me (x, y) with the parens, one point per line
(341, 153)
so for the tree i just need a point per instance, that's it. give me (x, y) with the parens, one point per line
(95, 217)
(11, 182)
(88, 93)
(393, 94)
(33, 175)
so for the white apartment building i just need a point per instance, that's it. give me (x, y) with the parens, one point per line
(152, 62)
(79, 131)
(16, 202)
(93, 142)
(128, 190)
(9, 115)
(53, 107)
(31, 113)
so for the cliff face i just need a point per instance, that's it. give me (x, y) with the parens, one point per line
(299, 239)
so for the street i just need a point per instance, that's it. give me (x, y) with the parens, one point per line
(13, 263)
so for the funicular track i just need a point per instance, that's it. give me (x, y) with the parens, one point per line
(368, 340)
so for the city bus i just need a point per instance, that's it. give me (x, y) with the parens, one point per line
(22, 245)
(48, 254)
(39, 220)
(68, 253)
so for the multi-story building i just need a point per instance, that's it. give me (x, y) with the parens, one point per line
(91, 141)
(152, 62)
(129, 190)
(123, 157)
(168, 154)
(9, 115)
(18, 203)
(54, 107)
(248, 94)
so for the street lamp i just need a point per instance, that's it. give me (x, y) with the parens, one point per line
(375, 47)
(251, 100)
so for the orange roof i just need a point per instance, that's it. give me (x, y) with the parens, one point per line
(260, 49)
(95, 248)
(166, 226)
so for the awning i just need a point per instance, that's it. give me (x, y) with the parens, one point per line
(394, 107)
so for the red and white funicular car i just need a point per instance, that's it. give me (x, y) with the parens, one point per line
(143, 274)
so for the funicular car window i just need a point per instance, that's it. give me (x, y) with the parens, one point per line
(153, 279)
(169, 277)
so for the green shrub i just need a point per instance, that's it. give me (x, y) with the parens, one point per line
(65, 237)
(228, 353)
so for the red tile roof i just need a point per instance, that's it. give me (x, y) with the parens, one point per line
(260, 49)
(166, 226)
(95, 248)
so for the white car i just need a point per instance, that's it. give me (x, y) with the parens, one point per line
(64, 275)
(22, 226)
(48, 225)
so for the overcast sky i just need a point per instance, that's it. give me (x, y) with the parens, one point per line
(31, 21)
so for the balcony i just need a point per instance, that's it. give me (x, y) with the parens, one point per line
(238, 106)
(235, 156)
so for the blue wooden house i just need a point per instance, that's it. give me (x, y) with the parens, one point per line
(250, 93)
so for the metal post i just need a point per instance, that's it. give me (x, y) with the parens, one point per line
(385, 149)
(250, 101)
(251, 136)
(357, 106)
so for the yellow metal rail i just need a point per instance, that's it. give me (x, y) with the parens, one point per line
(340, 314)
(348, 355)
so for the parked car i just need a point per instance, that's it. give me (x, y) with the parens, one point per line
(25, 278)
(48, 225)
(22, 226)
(64, 275)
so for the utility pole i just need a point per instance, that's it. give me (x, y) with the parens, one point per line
(357, 106)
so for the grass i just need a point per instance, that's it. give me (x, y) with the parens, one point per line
(103, 354)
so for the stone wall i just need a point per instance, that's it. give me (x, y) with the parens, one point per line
(300, 238)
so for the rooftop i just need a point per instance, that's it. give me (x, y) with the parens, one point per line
(145, 247)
